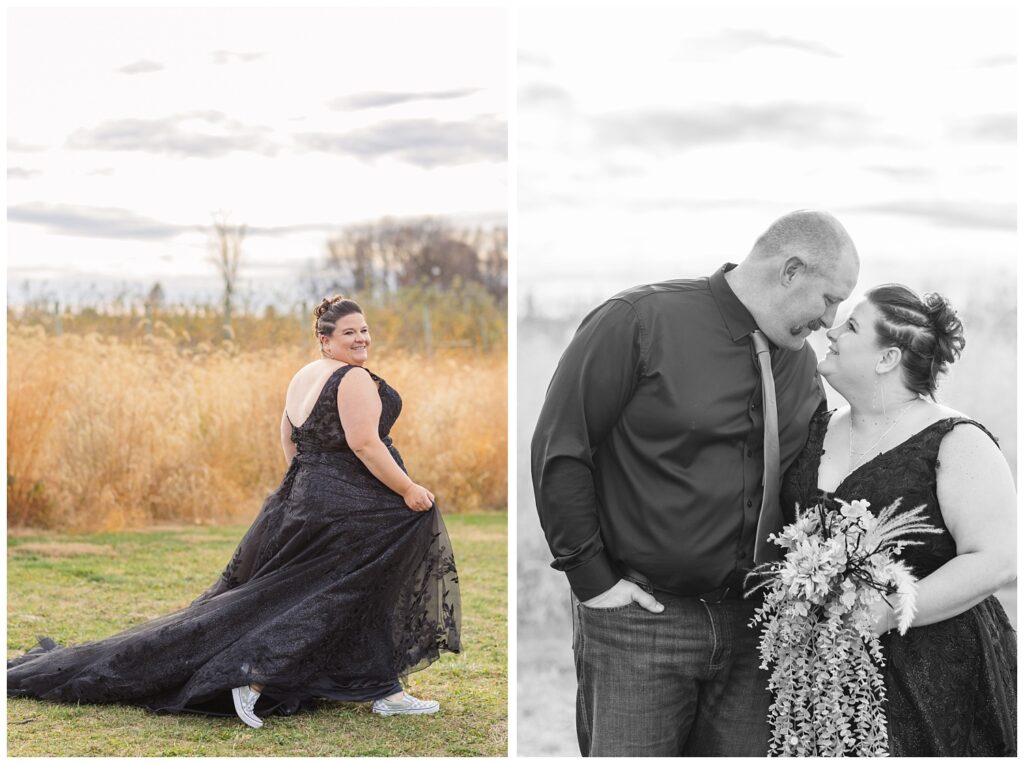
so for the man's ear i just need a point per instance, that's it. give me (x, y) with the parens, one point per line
(793, 267)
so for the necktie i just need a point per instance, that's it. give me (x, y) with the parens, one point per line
(770, 519)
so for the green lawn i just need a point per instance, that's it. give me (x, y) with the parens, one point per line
(84, 587)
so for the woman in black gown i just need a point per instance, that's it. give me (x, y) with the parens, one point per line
(344, 583)
(951, 679)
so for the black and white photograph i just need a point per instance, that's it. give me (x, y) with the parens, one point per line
(766, 381)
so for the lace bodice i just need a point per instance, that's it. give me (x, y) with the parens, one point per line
(908, 472)
(322, 431)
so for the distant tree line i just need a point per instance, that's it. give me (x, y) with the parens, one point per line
(426, 283)
(387, 256)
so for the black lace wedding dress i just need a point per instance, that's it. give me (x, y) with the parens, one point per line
(951, 686)
(335, 591)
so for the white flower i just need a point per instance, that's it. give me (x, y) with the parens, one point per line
(795, 532)
(855, 509)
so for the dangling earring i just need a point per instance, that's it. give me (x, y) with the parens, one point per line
(874, 395)
(883, 399)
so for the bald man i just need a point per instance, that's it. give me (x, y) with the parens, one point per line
(647, 466)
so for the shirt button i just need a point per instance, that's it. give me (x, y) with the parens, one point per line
(753, 406)
(749, 453)
(750, 503)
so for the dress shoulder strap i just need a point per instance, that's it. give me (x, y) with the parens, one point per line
(338, 374)
(945, 426)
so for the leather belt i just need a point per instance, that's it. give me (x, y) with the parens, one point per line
(732, 589)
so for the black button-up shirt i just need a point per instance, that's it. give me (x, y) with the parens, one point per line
(648, 452)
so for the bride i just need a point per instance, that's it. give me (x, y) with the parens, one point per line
(344, 583)
(951, 679)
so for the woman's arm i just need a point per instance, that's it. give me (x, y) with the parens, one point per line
(978, 501)
(286, 439)
(360, 408)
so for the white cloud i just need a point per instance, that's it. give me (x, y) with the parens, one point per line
(142, 66)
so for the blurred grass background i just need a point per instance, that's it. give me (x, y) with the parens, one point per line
(127, 427)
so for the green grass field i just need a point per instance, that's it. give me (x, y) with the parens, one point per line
(84, 587)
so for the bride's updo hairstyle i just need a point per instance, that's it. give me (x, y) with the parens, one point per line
(927, 330)
(327, 314)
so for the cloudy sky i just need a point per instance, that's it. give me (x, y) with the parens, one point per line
(658, 143)
(127, 129)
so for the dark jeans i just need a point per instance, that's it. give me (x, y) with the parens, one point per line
(683, 682)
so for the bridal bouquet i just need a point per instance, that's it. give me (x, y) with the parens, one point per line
(817, 641)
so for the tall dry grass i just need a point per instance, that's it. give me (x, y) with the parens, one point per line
(108, 434)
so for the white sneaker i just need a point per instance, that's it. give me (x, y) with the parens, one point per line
(245, 698)
(407, 705)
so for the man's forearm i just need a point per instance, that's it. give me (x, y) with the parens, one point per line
(567, 505)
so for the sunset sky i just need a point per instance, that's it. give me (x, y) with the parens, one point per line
(128, 128)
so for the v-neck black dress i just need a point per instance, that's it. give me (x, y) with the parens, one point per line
(335, 591)
(951, 686)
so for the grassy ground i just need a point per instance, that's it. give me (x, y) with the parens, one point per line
(82, 587)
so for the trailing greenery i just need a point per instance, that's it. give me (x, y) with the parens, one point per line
(76, 588)
(825, 662)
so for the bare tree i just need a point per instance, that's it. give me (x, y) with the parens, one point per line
(352, 257)
(493, 249)
(226, 254)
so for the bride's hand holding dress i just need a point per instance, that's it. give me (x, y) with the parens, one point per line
(359, 408)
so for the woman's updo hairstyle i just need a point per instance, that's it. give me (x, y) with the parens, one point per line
(927, 330)
(327, 314)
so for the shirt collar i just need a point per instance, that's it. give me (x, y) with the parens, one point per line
(734, 313)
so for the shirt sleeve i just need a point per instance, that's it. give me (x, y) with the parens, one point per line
(594, 381)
